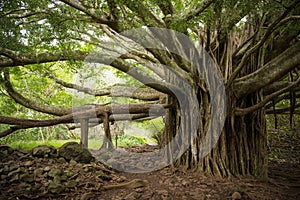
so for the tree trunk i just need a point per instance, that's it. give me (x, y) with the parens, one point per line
(107, 140)
(84, 129)
(241, 148)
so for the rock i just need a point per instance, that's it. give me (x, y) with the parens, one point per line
(28, 163)
(73, 150)
(38, 172)
(47, 169)
(73, 162)
(104, 156)
(63, 177)
(57, 179)
(2, 177)
(72, 183)
(44, 151)
(5, 170)
(56, 187)
(236, 195)
(27, 178)
(185, 183)
(5, 151)
(61, 160)
(68, 172)
(54, 172)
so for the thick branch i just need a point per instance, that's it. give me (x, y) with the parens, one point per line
(271, 72)
(286, 96)
(244, 111)
(276, 24)
(146, 79)
(11, 58)
(113, 118)
(166, 7)
(29, 103)
(18, 59)
(281, 110)
(114, 91)
(90, 113)
(91, 12)
(196, 10)
(275, 87)
(144, 12)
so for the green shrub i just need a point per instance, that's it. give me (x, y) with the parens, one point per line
(130, 140)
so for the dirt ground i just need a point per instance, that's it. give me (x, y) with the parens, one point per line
(27, 176)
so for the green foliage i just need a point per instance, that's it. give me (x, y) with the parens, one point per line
(37, 134)
(155, 126)
(129, 140)
(283, 142)
(30, 142)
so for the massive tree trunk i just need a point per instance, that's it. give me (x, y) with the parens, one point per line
(241, 147)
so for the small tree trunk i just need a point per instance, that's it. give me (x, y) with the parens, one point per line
(84, 128)
(107, 141)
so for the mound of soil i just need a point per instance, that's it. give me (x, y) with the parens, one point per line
(45, 173)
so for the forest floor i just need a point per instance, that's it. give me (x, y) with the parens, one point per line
(170, 183)
(25, 176)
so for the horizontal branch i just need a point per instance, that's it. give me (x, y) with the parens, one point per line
(271, 72)
(9, 58)
(244, 111)
(281, 110)
(113, 118)
(114, 91)
(286, 96)
(116, 112)
(275, 87)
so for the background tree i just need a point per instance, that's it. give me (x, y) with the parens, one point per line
(255, 45)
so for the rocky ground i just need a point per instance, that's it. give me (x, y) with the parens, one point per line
(72, 173)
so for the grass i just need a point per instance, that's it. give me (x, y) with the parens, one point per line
(123, 141)
(32, 144)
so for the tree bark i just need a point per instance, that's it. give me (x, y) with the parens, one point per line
(84, 128)
(240, 150)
